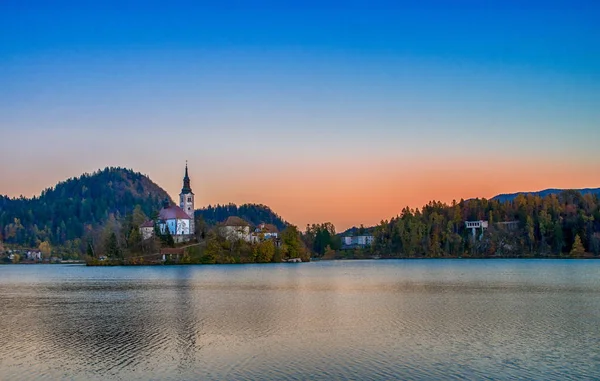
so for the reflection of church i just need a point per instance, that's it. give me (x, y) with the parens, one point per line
(178, 219)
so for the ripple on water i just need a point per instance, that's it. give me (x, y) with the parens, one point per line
(410, 320)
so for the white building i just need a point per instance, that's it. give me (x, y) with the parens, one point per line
(266, 231)
(475, 226)
(178, 219)
(235, 228)
(357, 241)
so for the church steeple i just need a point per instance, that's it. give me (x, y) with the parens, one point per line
(186, 182)
(186, 199)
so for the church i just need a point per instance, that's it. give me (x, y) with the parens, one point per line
(178, 219)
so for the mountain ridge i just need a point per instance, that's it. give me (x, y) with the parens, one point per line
(69, 213)
(543, 193)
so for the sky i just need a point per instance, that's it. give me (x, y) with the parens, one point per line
(342, 112)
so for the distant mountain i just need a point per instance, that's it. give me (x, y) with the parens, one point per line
(543, 193)
(253, 213)
(73, 207)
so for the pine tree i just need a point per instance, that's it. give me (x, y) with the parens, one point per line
(90, 250)
(168, 238)
(112, 247)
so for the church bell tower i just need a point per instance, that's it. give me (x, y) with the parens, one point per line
(186, 199)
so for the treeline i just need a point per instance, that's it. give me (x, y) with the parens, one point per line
(555, 225)
(253, 213)
(215, 249)
(120, 242)
(66, 215)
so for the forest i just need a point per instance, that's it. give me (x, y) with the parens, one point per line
(100, 213)
(567, 223)
(64, 219)
(66, 215)
(120, 242)
(255, 214)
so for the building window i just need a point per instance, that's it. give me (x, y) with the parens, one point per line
(189, 199)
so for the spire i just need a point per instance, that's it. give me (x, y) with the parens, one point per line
(186, 182)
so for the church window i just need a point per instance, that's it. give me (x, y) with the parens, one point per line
(189, 199)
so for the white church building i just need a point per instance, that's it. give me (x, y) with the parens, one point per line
(178, 219)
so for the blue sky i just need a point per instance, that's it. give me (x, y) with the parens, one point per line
(316, 94)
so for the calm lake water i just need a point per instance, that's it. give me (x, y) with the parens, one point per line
(360, 320)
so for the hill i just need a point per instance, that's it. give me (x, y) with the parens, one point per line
(543, 193)
(66, 213)
(253, 213)
(353, 231)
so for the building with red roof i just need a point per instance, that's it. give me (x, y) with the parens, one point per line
(179, 220)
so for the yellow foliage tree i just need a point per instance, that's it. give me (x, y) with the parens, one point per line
(578, 249)
(264, 251)
(46, 249)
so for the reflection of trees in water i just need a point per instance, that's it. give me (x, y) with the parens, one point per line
(185, 321)
(101, 327)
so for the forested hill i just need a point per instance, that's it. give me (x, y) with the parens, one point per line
(65, 213)
(543, 193)
(253, 213)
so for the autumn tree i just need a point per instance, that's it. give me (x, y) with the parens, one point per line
(46, 249)
(263, 251)
(292, 246)
(577, 250)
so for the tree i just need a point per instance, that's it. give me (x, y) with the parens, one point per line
(578, 249)
(329, 253)
(112, 248)
(1, 247)
(595, 244)
(135, 240)
(45, 249)
(264, 251)
(213, 248)
(530, 231)
(200, 226)
(90, 250)
(138, 216)
(292, 246)
(168, 238)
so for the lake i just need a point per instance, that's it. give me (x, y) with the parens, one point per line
(328, 320)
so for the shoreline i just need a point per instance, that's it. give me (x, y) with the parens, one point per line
(351, 259)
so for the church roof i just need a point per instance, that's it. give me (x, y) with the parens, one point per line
(235, 221)
(270, 228)
(267, 228)
(173, 212)
(147, 224)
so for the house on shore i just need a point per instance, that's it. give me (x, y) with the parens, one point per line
(357, 242)
(234, 228)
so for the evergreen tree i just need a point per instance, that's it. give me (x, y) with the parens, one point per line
(90, 250)
(112, 248)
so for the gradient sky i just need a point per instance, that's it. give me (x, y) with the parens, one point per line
(325, 111)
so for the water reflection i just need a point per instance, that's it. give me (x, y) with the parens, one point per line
(361, 320)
